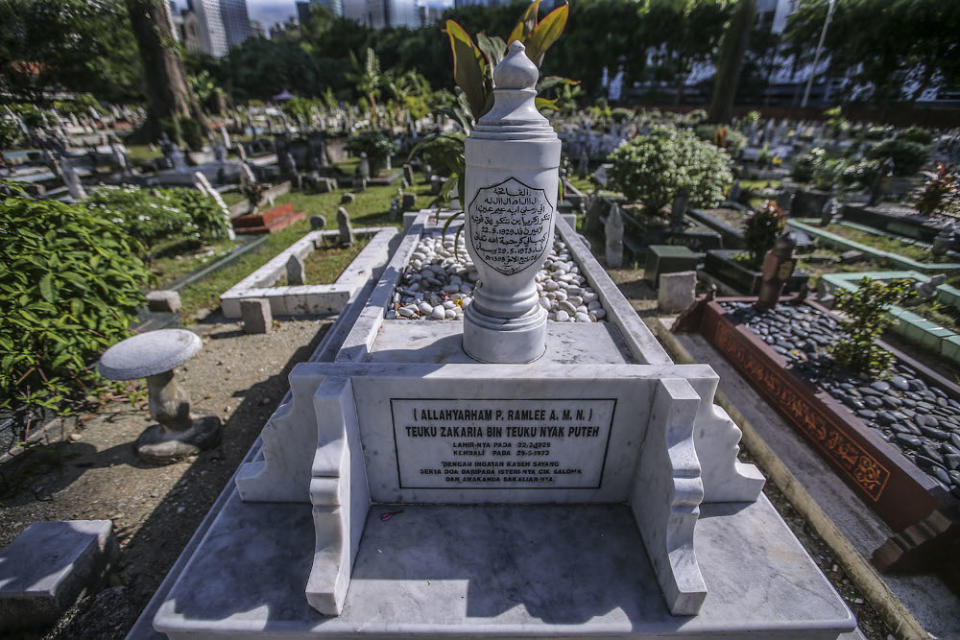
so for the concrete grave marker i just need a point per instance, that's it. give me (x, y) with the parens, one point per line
(346, 231)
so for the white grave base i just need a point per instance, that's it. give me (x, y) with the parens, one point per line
(406, 491)
(497, 572)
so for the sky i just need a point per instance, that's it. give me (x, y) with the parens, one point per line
(266, 12)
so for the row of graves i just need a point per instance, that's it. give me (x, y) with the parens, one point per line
(489, 443)
(843, 210)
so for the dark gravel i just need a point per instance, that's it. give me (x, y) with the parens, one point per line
(919, 418)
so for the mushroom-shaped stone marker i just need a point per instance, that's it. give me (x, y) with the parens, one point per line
(154, 355)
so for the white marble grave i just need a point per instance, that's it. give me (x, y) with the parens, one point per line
(339, 528)
(583, 486)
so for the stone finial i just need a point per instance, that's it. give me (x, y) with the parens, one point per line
(516, 70)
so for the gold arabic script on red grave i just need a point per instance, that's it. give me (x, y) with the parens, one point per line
(851, 458)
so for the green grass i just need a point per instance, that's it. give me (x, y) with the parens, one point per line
(170, 268)
(371, 208)
(884, 243)
(944, 315)
(757, 185)
(232, 197)
(817, 269)
(139, 153)
(324, 265)
(582, 184)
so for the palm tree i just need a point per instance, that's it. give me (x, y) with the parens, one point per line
(367, 78)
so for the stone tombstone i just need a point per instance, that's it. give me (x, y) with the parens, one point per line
(408, 174)
(512, 162)
(317, 222)
(364, 166)
(676, 291)
(679, 209)
(735, 191)
(295, 270)
(343, 223)
(71, 179)
(613, 232)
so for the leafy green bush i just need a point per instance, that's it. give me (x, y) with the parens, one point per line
(860, 174)
(150, 216)
(867, 309)
(806, 163)
(916, 134)
(726, 138)
(908, 156)
(762, 230)
(9, 132)
(70, 285)
(941, 193)
(375, 144)
(653, 168)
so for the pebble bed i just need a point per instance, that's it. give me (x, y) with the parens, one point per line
(921, 419)
(438, 284)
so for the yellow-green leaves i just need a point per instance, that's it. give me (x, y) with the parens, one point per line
(546, 33)
(469, 68)
(527, 23)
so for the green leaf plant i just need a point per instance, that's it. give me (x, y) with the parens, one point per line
(866, 307)
(473, 65)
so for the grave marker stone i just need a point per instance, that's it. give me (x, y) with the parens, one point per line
(613, 232)
(343, 223)
(295, 271)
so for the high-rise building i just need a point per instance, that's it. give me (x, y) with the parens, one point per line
(220, 24)
(379, 14)
(236, 21)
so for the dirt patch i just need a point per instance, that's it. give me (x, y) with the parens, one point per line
(95, 474)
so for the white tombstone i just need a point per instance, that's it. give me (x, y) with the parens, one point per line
(512, 158)
(204, 185)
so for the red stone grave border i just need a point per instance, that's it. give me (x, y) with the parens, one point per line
(893, 486)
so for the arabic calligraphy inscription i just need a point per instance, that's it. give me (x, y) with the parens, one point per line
(510, 225)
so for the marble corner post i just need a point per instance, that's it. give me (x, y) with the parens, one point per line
(668, 489)
(289, 438)
(717, 440)
(339, 495)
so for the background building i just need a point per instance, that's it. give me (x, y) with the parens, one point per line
(379, 14)
(211, 26)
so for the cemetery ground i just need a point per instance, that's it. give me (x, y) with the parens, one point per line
(93, 473)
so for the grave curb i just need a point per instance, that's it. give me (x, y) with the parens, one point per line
(804, 224)
(858, 568)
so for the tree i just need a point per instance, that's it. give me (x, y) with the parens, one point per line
(882, 44)
(171, 107)
(75, 45)
(683, 33)
(367, 78)
(735, 42)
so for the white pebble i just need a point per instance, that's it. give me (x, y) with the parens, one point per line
(438, 313)
(425, 308)
(562, 316)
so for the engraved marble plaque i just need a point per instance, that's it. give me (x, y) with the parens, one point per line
(510, 225)
(501, 444)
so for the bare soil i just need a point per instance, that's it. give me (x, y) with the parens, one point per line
(95, 474)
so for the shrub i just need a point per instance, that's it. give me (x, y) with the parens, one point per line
(908, 156)
(940, 194)
(867, 309)
(806, 163)
(375, 144)
(150, 216)
(860, 174)
(916, 134)
(653, 168)
(70, 285)
(762, 230)
(10, 132)
(724, 137)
